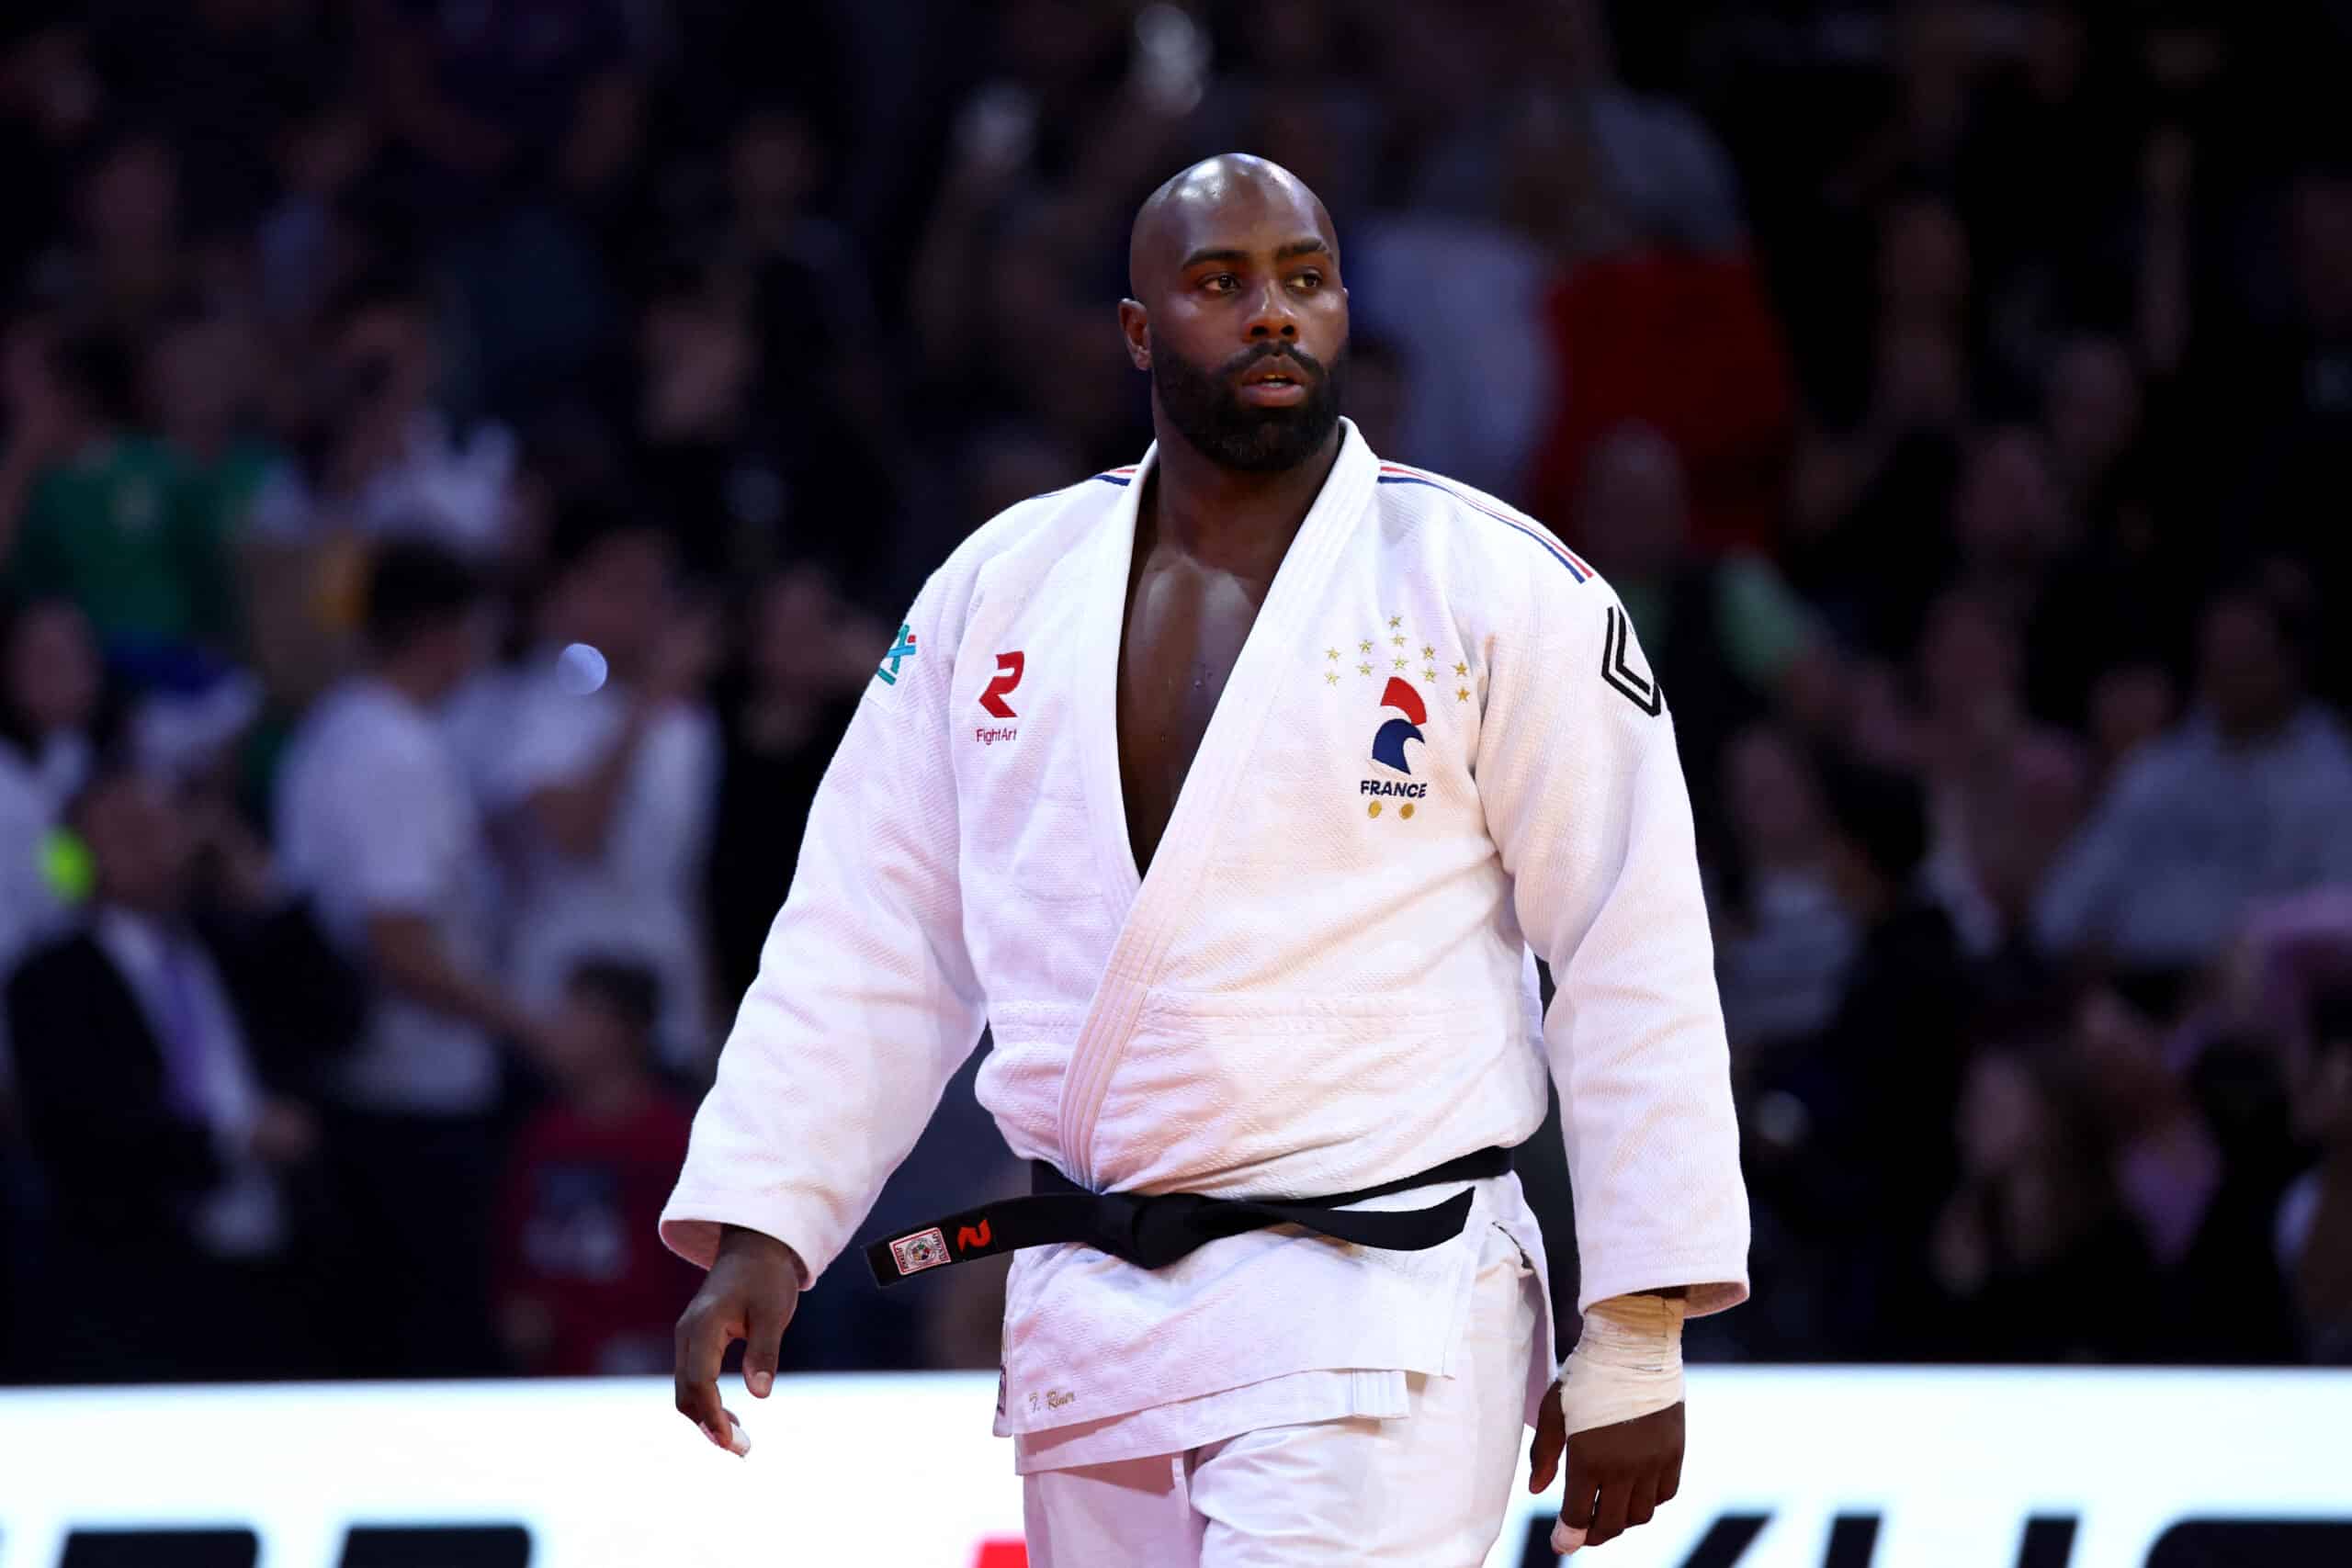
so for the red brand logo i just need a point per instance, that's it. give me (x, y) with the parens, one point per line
(970, 1236)
(1008, 675)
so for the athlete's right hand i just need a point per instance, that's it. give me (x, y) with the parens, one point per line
(750, 1294)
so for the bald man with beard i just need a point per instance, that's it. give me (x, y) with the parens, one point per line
(1236, 792)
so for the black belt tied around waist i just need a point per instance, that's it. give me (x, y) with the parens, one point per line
(1153, 1230)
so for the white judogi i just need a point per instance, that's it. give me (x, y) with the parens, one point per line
(1439, 746)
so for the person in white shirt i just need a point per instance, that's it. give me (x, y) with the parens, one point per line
(1235, 793)
(2247, 799)
(377, 824)
(603, 776)
(399, 466)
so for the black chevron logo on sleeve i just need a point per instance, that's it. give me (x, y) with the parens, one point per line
(1638, 688)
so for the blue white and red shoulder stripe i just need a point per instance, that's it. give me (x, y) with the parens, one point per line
(1398, 474)
(1118, 476)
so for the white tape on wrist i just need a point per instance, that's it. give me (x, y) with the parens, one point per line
(1627, 1363)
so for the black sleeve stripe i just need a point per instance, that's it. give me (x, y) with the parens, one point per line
(1638, 689)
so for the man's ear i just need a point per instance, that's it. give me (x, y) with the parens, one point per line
(1135, 324)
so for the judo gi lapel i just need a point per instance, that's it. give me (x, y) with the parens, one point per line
(1161, 902)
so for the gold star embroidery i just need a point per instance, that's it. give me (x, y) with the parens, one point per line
(1330, 679)
(1365, 646)
(1395, 621)
(1395, 642)
(1427, 652)
(1430, 675)
(1401, 664)
(1364, 669)
(1462, 669)
(1462, 695)
(1331, 653)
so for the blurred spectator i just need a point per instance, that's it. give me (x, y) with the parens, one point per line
(2092, 410)
(385, 460)
(2126, 594)
(583, 1286)
(2246, 797)
(133, 262)
(1675, 330)
(219, 74)
(712, 448)
(51, 684)
(1026, 233)
(1722, 630)
(2294, 385)
(51, 102)
(1878, 467)
(1879, 1086)
(825, 435)
(309, 242)
(802, 275)
(2004, 793)
(2315, 1219)
(378, 825)
(2010, 522)
(808, 660)
(606, 772)
(2288, 410)
(2206, 1213)
(1458, 303)
(203, 382)
(1783, 940)
(504, 91)
(94, 511)
(2037, 137)
(2033, 1231)
(149, 1081)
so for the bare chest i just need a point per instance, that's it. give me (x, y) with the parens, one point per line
(1186, 627)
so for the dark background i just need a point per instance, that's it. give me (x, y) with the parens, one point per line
(1959, 395)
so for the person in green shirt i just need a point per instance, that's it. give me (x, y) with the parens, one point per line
(1726, 637)
(94, 511)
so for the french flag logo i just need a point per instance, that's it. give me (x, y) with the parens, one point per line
(1388, 745)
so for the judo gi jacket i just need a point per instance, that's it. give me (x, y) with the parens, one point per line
(1438, 751)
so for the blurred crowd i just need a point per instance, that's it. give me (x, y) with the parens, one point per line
(459, 463)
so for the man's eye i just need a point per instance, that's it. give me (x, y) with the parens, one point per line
(1219, 282)
(1308, 280)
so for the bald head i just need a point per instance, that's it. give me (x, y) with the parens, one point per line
(1239, 314)
(1197, 210)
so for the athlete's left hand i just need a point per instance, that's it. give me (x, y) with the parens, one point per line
(1617, 1475)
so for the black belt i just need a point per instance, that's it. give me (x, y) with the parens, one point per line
(1153, 1230)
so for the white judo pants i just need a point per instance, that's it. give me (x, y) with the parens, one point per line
(1428, 1489)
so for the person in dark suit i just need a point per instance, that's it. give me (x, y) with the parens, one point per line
(149, 1044)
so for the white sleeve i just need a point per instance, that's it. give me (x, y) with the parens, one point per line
(1585, 797)
(865, 1002)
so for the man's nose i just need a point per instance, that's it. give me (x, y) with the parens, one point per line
(1274, 316)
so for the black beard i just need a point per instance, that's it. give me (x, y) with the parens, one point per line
(1206, 412)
